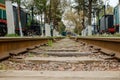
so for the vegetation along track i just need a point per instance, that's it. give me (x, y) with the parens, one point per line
(63, 60)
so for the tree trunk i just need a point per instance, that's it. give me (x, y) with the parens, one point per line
(41, 18)
(50, 12)
(90, 11)
(45, 16)
(98, 24)
(19, 21)
(32, 16)
(83, 14)
(45, 20)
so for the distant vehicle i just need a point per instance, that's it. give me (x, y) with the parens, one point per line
(63, 33)
(106, 24)
(3, 21)
(117, 18)
(24, 20)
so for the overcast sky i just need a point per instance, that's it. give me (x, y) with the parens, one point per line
(113, 2)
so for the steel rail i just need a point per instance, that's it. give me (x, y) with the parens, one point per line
(111, 44)
(16, 45)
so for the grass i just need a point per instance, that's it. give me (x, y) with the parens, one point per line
(105, 35)
(50, 42)
(117, 34)
(2, 67)
(110, 35)
(12, 35)
(31, 55)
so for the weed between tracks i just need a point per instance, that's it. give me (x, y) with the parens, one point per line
(30, 55)
(2, 67)
(50, 43)
(12, 35)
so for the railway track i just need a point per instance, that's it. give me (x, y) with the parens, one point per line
(63, 60)
(14, 46)
(110, 46)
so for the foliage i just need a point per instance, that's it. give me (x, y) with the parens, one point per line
(86, 6)
(84, 10)
(61, 27)
(29, 20)
(55, 9)
(51, 9)
(75, 19)
(17, 1)
(41, 7)
(109, 10)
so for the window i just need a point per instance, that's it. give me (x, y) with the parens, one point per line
(4, 14)
(0, 14)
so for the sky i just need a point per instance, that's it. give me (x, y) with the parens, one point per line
(113, 2)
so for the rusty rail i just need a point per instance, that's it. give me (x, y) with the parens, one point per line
(110, 44)
(16, 45)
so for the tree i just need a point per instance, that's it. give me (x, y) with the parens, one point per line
(81, 7)
(55, 11)
(87, 7)
(61, 27)
(75, 20)
(109, 10)
(51, 9)
(41, 8)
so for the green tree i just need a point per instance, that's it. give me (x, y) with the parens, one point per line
(51, 9)
(86, 6)
(75, 19)
(61, 27)
(55, 12)
(41, 8)
(81, 7)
